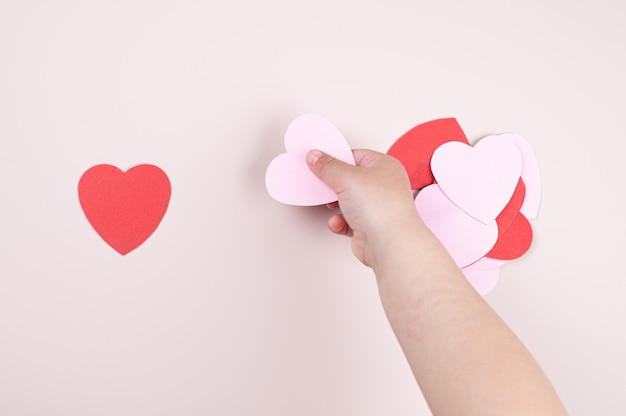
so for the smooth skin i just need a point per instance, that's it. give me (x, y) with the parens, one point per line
(465, 359)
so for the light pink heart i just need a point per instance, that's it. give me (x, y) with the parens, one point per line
(530, 175)
(483, 280)
(463, 236)
(481, 179)
(288, 178)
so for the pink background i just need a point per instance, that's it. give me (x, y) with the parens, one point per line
(239, 305)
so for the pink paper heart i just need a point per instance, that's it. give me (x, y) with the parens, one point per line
(530, 175)
(288, 178)
(465, 238)
(483, 280)
(481, 179)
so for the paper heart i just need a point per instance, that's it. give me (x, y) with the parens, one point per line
(463, 236)
(530, 175)
(483, 274)
(481, 179)
(515, 241)
(482, 279)
(415, 148)
(124, 208)
(288, 178)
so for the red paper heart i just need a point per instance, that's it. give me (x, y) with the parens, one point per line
(416, 147)
(124, 208)
(514, 242)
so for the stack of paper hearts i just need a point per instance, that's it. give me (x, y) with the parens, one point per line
(476, 200)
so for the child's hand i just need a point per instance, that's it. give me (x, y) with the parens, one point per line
(374, 196)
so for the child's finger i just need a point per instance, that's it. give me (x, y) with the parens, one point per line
(338, 225)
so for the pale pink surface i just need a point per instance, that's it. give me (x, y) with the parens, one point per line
(483, 280)
(481, 179)
(465, 238)
(530, 175)
(288, 179)
(239, 305)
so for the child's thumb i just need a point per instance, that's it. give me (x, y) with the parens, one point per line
(327, 168)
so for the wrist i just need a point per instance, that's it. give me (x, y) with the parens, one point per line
(395, 243)
(409, 249)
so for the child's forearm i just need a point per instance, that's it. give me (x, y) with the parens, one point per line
(464, 357)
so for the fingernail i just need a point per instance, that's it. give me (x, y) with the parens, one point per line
(313, 156)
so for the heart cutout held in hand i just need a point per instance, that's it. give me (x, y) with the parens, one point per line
(124, 208)
(288, 178)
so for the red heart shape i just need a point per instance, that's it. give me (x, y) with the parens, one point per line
(416, 147)
(514, 242)
(124, 208)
